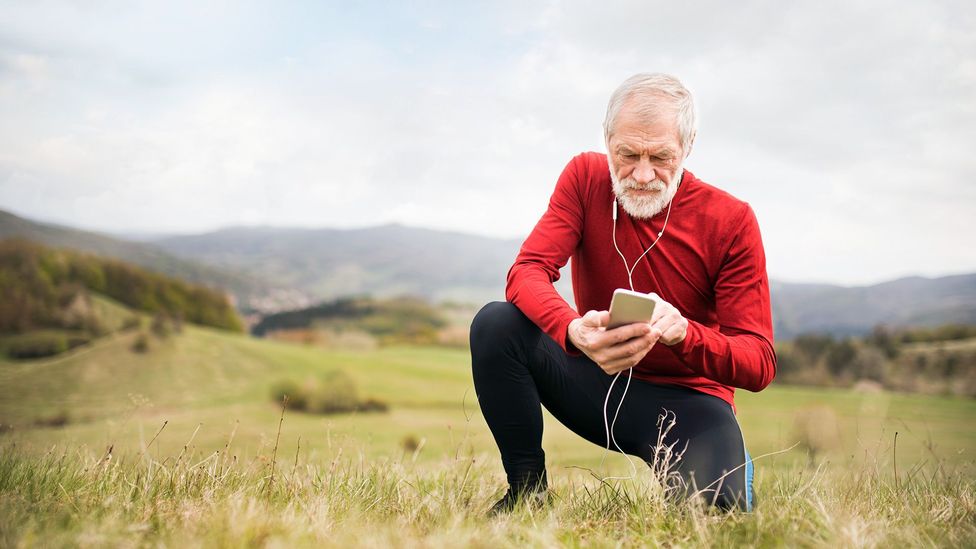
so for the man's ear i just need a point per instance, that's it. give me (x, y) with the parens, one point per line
(691, 144)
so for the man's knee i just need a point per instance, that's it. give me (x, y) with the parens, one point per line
(494, 322)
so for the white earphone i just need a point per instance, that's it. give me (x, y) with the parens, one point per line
(608, 426)
(630, 270)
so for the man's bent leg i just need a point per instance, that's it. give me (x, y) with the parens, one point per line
(518, 368)
(501, 340)
(701, 428)
(715, 465)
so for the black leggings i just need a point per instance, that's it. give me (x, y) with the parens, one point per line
(517, 367)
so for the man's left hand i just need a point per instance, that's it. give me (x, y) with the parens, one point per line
(669, 321)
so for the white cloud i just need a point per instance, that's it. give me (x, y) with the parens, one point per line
(846, 126)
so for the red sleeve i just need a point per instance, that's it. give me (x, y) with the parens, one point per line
(740, 353)
(544, 252)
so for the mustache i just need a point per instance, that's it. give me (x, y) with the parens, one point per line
(656, 185)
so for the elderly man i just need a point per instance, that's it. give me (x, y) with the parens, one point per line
(633, 219)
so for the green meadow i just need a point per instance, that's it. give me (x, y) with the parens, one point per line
(184, 445)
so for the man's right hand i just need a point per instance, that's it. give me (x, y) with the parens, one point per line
(613, 350)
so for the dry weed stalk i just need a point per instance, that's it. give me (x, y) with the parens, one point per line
(146, 447)
(274, 453)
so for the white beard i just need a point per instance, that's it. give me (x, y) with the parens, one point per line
(644, 207)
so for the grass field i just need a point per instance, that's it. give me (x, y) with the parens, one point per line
(202, 399)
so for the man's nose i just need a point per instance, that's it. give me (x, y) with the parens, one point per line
(644, 172)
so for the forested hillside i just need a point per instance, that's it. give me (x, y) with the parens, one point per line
(38, 285)
(271, 269)
(250, 292)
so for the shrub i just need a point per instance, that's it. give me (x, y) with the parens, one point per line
(333, 392)
(869, 363)
(296, 396)
(131, 323)
(77, 339)
(141, 343)
(36, 344)
(372, 405)
(839, 357)
(410, 443)
(161, 326)
(57, 419)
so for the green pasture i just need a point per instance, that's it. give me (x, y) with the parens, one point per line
(210, 386)
(180, 446)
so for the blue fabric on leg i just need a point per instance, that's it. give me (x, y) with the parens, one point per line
(749, 474)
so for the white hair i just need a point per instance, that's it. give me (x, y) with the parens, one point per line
(653, 94)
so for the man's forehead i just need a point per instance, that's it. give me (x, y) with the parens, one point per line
(635, 124)
(640, 136)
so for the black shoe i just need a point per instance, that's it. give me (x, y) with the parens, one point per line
(533, 497)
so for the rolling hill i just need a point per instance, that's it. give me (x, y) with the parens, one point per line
(393, 259)
(249, 292)
(272, 269)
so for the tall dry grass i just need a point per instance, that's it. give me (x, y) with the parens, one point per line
(194, 499)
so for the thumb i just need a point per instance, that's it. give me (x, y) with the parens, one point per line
(596, 319)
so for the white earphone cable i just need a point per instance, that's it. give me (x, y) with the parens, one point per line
(630, 270)
(608, 426)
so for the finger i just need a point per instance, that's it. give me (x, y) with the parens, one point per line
(669, 316)
(657, 314)
(614, 366)
(674, 334)
(669, 330)
(596, 319)
(632, 347)
(603, 317)
(661, 309)
(615, 336)
(633, 350)
(637, 349)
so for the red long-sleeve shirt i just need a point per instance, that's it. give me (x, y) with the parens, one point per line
(709, 264)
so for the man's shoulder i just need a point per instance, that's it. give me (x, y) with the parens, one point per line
(587, 173)
(590, 163)
(712, 197)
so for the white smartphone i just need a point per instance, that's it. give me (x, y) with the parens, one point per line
(629, 307)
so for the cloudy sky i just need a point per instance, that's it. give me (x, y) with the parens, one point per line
(848, 126)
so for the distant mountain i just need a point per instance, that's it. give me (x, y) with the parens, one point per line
(245, 289)
(394, 260)
(913, 301)
(280, 268)
(382, 261)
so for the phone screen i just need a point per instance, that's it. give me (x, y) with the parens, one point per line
(629, 307)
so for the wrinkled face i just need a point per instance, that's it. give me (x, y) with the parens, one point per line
(645, 158)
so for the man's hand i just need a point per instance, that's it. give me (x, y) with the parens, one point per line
(621, 348)
(613, 350)
(669, 322)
